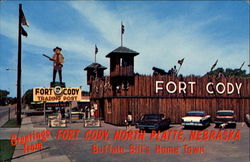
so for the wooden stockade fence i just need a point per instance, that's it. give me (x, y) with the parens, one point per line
(141, 97)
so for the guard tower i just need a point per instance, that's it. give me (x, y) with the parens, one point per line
(122, 65)
(94, 70)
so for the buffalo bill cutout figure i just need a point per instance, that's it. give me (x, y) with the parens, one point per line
(58, 60)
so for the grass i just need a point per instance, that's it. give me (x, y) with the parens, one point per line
(12, 123)
(6, 150)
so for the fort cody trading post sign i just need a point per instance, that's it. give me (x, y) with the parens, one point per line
(56, 94)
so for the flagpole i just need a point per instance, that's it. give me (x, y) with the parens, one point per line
(121, 36)
(96, 50)
(242, 65)
(19, 67)
(181, 62)
(213, 66)
(249, 61)
(95, 55)
(178, 70)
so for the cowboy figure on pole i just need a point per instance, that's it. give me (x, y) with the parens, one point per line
(58, 60)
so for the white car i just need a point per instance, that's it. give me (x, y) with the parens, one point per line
(196, 118)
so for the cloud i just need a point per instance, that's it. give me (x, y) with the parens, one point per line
(46, 39)
(103, 20)
(161, 42)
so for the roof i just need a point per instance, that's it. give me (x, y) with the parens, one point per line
(85, 99)
(153, 114)
(121, 51)
(196, 112)
(95, 66)
(226, 111)
(41, 102)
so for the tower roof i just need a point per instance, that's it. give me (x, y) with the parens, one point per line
(122, 51)
(95, 66)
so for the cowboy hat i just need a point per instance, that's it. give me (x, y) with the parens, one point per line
(57, 48)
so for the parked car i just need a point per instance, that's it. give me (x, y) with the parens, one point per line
(247, 119)
(196, 118)
(225, 117)
(76, 113)
(153, 122)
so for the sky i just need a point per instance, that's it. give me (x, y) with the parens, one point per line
(161, 31)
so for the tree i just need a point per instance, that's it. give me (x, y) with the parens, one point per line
(229, 72)
(3, 97)
(85, 93)
(28, 97)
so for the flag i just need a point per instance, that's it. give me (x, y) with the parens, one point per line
(181, 61)
(242, 65)
(96, 49)
(23, 32)
(214, 65)
(23, 19)
(122, 28)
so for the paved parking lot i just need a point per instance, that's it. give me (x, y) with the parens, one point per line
(213, 150)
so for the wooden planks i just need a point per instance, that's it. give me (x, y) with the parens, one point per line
(141, 98)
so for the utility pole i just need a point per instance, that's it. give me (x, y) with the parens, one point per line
(19, 70)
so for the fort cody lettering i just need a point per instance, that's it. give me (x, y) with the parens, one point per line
(184, 87)
(56, 94)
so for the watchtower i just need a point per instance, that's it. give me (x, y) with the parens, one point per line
(94, 70)
(122, 62)
(121, 67)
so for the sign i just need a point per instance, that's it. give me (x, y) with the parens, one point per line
(184, 87)
(91, 123)
(56, 94)
(61, 104)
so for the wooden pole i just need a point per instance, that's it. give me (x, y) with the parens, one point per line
(70, 117)
(44, 113)
(19, 70)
